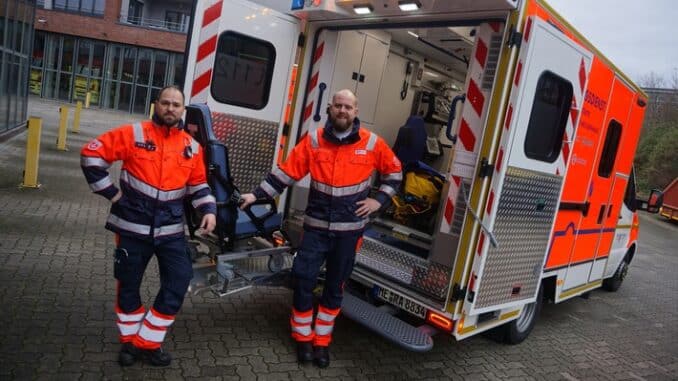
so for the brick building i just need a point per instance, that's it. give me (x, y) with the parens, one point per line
(121, 52)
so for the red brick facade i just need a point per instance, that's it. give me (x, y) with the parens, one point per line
(108, 28)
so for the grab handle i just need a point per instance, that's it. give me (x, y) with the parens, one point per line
(322, 86)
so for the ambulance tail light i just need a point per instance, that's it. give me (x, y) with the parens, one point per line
(440, 321)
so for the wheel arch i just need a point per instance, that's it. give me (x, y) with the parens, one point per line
(549, 286)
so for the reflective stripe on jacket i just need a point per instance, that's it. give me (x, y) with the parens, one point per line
(341, 175)
(161, 166)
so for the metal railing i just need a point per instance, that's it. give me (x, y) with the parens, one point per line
(155, 23)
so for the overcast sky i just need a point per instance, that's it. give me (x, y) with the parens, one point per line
(638, 36)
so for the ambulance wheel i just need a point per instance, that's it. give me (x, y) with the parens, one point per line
(518, 330)
(613, 283)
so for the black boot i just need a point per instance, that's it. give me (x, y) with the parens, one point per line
(128, 354)
(304, 351)
(157, 357)
(321, 356)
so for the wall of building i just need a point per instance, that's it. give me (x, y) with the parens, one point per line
(109, 28)
(119, 61)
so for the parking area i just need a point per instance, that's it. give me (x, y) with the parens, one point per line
(56, 272)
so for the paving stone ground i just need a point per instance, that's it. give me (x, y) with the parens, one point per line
(57, 320)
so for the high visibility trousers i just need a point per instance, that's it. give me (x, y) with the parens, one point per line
(131, 259)
(338, 253)
(302, 325)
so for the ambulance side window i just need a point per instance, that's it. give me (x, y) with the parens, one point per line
(610, 149)
(243, 69)
(548, 118)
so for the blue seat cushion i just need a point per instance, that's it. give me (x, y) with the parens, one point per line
(245, 227)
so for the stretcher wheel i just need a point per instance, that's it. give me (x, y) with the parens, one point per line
(276, 263)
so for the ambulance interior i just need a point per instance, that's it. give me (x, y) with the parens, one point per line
(412, 96)
(423, 71)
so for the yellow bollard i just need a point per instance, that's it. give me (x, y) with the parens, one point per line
(150, 113)
(32, 153)
(76, 117)
(63, 121)
(88, 98)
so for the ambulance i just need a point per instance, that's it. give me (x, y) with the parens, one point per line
(522, 187)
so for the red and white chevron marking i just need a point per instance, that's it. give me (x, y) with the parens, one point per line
(312, 87)
(471, 120)
(574, 118)
(206, 51)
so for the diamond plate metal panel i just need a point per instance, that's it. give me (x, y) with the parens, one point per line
(525, 213)
(460, 209)
(251, 146)
(430, 278)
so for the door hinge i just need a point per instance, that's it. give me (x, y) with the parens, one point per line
(301, 40)
(458, 293)
(515, 38)
(486, 168)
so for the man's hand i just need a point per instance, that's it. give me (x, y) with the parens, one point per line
(247, 199)
(117, 197)
(367, 207)
(209, 222)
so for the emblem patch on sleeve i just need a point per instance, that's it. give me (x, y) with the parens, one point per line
(94, 145)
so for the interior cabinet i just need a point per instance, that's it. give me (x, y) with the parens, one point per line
(361, 59)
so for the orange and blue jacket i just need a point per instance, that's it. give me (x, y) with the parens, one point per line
(341, 175)
(160, 167)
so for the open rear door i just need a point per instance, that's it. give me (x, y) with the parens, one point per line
(549, 83)
(239, 63)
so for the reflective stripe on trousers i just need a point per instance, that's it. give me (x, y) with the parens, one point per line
(129, 323)
(300, 322)
(324, 325)
(153, 330)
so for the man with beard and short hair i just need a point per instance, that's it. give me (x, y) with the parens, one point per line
(161, 165)
(341, 158)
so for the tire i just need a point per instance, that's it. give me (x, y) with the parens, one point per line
(613, 283)
(518, 330)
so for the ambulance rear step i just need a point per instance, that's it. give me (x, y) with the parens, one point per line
(426, 277)
(378, 319)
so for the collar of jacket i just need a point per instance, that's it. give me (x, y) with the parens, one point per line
(353, 137)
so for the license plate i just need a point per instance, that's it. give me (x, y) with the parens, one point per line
(401, 302)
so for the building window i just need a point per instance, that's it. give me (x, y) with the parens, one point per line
(177, 21)
(16, 31)
(548, 118)
(135, 12)
(114, 76)
(609, 153)
(243, 69)
(93, 7)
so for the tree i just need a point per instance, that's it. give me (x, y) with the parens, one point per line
(656, 159)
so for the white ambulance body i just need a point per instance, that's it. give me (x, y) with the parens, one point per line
(532, 130)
